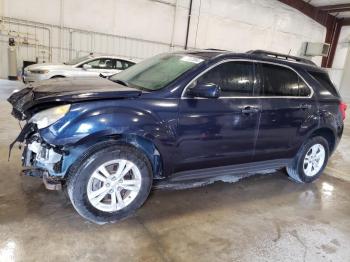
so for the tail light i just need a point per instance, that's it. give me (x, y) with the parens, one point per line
(342, 108)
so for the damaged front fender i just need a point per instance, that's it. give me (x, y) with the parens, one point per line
(40, 158)
(75, 151)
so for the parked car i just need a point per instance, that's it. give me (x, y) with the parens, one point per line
(177, 118)
(87, 66)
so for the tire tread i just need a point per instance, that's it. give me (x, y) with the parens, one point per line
(293, 169)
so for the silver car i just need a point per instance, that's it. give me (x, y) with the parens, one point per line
(86, 66)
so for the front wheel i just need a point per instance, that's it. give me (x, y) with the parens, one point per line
(310, 161)
(110, 184)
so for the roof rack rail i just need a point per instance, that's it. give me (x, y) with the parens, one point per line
(281, 56)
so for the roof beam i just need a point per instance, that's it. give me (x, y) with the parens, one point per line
(332, 24)
(335, 8)
(332, 37)
(311, 11)
(346, 21)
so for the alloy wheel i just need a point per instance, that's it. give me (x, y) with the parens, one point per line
(314, 160)
(114, 185)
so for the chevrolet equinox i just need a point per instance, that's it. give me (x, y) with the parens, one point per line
(177, 117)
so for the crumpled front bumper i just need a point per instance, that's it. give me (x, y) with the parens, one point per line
(38, 158)
(42, 156)
(41, 160)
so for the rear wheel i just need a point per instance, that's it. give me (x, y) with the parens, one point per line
(110, 184)
(310, 161)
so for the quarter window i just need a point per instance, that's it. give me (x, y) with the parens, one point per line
(281, 81)
(326, 86)
(234, 78)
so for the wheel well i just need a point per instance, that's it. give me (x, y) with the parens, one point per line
(328, 135)
(58, 76)
(140, 143)
(148, 148)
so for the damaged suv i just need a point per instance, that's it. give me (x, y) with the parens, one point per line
(177, 118)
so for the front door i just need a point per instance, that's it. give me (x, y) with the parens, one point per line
(219, 131)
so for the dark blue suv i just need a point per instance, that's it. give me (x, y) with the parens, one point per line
(177, 118)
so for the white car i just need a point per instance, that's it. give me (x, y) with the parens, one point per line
(86, 66)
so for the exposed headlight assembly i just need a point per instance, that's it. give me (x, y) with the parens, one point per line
(39, 71)
(49, 116)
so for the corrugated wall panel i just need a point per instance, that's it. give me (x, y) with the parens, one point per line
(50, 43)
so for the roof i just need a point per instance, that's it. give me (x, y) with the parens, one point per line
(111, 57)
(209, 54)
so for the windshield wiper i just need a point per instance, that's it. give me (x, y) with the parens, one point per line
(124, 83)
(120, 82)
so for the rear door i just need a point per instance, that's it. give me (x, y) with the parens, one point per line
(286, 113)
(219, 131)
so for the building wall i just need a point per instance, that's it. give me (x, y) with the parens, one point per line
(343, 63)
(140, 28)
(341, 66)
(345, 82)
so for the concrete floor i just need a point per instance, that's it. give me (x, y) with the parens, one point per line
(261, 218)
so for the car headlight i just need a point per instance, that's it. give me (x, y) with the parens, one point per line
(49, 116)
(39, 71)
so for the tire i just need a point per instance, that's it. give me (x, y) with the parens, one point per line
(298, 169)
(86, 175)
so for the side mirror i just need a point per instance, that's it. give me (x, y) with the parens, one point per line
(102, 75)
(208, 90)
(87, 66)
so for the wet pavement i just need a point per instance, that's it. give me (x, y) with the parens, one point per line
(261, 218)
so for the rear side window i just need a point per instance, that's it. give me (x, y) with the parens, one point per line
(281, 81)
(102, 63)
(119, 65)
(234, 78)
(326, 86)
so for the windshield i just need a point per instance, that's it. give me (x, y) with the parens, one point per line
(156, 72)
(77, 60)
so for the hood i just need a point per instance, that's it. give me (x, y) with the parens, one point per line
(49, 93)
(47, 66)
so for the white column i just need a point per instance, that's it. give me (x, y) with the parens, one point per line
(345, 82)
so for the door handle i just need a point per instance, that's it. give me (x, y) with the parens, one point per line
(305, 106)
(250, 110)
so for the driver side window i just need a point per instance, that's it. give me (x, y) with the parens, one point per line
(235, 78)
